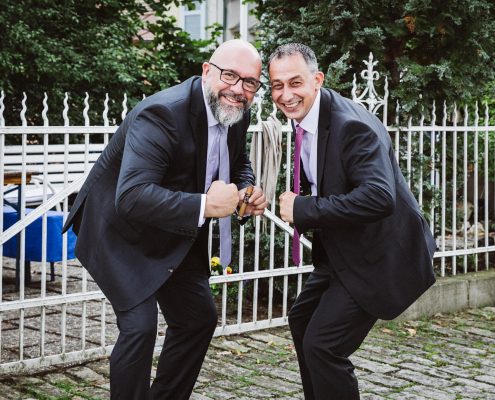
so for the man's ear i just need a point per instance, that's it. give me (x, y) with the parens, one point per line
(206, 68)
(319, 78)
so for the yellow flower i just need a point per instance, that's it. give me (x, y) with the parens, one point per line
(215, 261)
(228, 270)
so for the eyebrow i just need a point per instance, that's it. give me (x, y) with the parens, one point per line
(290, 79)
(237, 73)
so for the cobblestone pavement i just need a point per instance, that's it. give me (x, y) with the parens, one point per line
(445, 357)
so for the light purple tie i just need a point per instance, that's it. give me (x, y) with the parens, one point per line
(224, 223)
(296, 243)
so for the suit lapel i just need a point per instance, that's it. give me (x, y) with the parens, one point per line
(323, 134)
(199, 127)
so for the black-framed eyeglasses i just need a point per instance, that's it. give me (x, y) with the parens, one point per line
(227, 76)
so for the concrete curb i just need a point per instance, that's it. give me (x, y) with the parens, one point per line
(451, 294)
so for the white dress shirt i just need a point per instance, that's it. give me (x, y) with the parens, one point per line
(309, 144)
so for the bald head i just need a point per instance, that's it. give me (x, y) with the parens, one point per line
(234, 49)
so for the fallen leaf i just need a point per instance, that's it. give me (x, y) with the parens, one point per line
(411, 331)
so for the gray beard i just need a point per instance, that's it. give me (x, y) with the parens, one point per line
(225, 115)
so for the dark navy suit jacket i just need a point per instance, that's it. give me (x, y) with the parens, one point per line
(367, 219)
(136, 216)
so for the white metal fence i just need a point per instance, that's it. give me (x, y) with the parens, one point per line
(449, 166)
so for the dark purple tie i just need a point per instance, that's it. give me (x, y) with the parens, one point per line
(296, 243)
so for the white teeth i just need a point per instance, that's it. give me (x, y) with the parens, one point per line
(292, 105)
(231, 99)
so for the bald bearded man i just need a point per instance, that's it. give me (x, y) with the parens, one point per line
(142, 219)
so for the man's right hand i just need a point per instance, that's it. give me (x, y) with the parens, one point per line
(221, 200)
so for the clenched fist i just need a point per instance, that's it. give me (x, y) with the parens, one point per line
(286, 200)
(221, 200)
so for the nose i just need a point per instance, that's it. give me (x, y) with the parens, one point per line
(286, 94)
(237, 88)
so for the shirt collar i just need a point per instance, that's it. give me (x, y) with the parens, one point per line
(209, 114)
(310, 121)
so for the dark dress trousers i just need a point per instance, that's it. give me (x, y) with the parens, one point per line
(136, 218)
(372, 248)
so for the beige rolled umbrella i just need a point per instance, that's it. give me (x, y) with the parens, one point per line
(271, 154)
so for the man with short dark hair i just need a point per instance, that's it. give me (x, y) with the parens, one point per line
(142, 219)
(372, 249)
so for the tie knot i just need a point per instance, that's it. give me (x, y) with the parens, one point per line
(221, 129)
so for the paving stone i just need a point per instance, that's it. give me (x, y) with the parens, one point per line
(228, 384)
(93, 334)
(10, 338)
(454, 359)
(87, 374)
(467, 350)
(432, 393)
(366, 386)
(255, 344)
(488, 361)
(488, 369)
(423, 378)
(407, 395)
(30, 381)
(281, 373)
(382, 358)
(290, 365)
(386, 381)
(217, 393)
(97, 393)
(207, 375)
(476, 384)
(372, 366)
(370, 396)
(481, 332)
(264, 358)
(197, 396)
(487, 379)
(231, 345)
(59, 378)
(228, 369)
(277, 385)
(10, 393)
(270, 339)
(101, 367)
(465, 390)
(455, 370)
(415, 358)
(257, 392)
(427, 370)
(42, 389)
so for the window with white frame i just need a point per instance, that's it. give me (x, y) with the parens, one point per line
(194, 20)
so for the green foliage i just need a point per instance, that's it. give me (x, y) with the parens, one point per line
(90, 46)
(429, 49)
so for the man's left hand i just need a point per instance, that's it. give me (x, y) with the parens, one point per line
(286, 203)
(257, 202)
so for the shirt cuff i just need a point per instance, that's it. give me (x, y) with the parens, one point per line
(201, 219)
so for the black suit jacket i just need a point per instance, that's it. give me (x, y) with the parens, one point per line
(365, 216)
(136, 216)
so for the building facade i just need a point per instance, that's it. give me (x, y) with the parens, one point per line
(233, 15)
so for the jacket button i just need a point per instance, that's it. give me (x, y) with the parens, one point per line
(170, 270)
